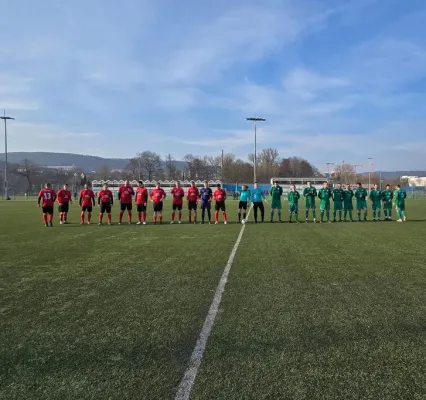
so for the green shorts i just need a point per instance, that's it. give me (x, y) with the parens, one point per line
(361, 205)
(293, 207)
(338, 206)
(276, 204)
(387, 205)
(376, 206)
(348, 207)
(310, 206)
(400, 207)
(325, 206)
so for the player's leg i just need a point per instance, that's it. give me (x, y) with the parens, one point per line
(403, 214)
(160, 212)
(240, 206)
(224, 216)
(195, 212)
(122, 209)
(44, 216)
(216, 214)
(82, 215)
(173, 213)
(203, 213)
(379, 212)
(279, 212)
(255, 207)
(180, 213)
(89, 215)
(306, 213)
(245, 210)
(209, 212)
(358, 209)
(296, 213)
(272, 211)
(365, 212)
(290, 213)
(129, 212)
(327, 212)
(262, 211)
(334, 212)
(322, 210)
(101, 214)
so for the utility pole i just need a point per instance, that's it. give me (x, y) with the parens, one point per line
(255, 119)
(328, 169)
(6, 193)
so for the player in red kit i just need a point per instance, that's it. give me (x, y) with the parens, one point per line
(192, 195)
(220, 197)
(141, 199)
(46, 198)
(105, 202)
(177, 195)
(125, 195)
(87, 202)
(64, 200)
(157, 196)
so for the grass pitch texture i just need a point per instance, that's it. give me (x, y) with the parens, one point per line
(331, 311)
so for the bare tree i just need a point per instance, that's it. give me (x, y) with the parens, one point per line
(103, 173)
(150, 164)
(131, 170)
(27, 170)
(345, 173)
(171, 170)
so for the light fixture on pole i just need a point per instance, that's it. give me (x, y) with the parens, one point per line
(255, 120)
(369, 174)
(6, 194)
(328, 168)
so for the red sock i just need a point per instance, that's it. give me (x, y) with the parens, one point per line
(173, 216)
(109, 218)
(50, 217)
(161, 218)
(82, 217)
(180, 216)
(155, 218)
(61, 216)
(101, 216)
(225, 217)
(89, 217)
(144, 216)
(130, 216)
(139, 217)
(45, 219)
(216, 216)
(65, 217)
(195, 217)
(121, 216)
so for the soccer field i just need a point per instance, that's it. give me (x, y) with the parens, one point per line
(324, 311)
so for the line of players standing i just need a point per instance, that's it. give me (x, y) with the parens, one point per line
(126, 194)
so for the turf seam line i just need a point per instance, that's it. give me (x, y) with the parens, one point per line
(187, 382)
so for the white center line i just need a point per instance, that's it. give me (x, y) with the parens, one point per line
(187, 382)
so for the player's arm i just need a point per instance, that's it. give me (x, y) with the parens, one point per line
(40, 196)
(81, 199)
(119, 194)
(99, 199)
(93, 199)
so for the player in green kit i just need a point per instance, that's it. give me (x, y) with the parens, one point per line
(387, 197)
(309, 193)
(361, 201)
(348, 206)
(276, 193)
(293, 204)
(399, 197)
(376, 202)
(325, 195)
(338, 198)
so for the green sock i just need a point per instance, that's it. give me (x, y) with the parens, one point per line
(279, 215)
(328, 215)
(359, 215)
(390, 214)
(379, 213)
(385, 212)
(297, 216)
(350, 214)
(398, 214)
(374, 214)
(290, 216)
(340, 215)
(272, 215)
(322, 215)
(365, 214)
(334, 214)
(403, 214)
(314, 214)
(345, 214)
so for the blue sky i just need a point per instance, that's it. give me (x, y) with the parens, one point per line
(336, 80)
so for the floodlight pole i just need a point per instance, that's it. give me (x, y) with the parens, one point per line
(6, 194)
(255, 119)
(369, 174)
(328, 168)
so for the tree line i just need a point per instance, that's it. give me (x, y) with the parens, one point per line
(29, 177)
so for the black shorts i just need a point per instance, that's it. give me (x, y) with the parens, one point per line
(158, 207)
(242, 205)
(177, 207)
(220, 205)
(64, 208)
(192, 205)
(206, 205)
(141, 207)
(126, 206)
(47, 209)
(87, 208)
(106, 208)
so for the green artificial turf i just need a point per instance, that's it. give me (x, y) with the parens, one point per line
(335, 311)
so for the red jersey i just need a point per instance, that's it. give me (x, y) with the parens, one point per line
(64, 196)
(105, 196)
(178, 195)
(125, 194)
(157, 195)
(141, 195)
(47, 196)
(87, 198)
(192, 194)
(219, 195)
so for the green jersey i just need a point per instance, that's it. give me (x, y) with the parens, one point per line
(276, 193)
(293, 197)
(348, 195)
(325, 195)
(399, 198)
(387, 196)
(338, 195)
(309, 193)
(376, 197)
(361, 194)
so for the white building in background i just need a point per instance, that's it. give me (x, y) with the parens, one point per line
(414, 180)
(60, 167)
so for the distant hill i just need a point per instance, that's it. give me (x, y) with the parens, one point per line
(397, 174)
(84, 162)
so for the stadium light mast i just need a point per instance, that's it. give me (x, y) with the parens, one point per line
(6, 194)
(369, 174)
(255, 120)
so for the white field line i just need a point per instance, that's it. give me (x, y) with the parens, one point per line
(187, 382)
